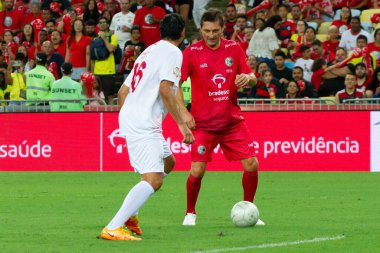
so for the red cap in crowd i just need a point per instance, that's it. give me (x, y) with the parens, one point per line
(375, 18)
(55, 7)
(79, 10)
(100, 6)
(87, 77)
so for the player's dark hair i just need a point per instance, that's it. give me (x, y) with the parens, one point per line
(20, 57)
(303, 48)
(260, 63)
(316, 43)
(318, 64)
(349, 17)
(298, 67)
(350, 74)
(91, 22)
(341, 48)
(271, 22)
(213, 15)
(310, 28)
(135, 28)
(280, 53)
(267, 70)
(282, 6)
(242, 16)
(102, 17)
(50, 21)
(362, 37)
(356, 18)
(231, 6)
(171, 26)
(360, 64)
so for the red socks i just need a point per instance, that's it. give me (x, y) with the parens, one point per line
(193, 186)
(250, 180)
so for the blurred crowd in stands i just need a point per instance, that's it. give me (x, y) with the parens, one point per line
(296, 48)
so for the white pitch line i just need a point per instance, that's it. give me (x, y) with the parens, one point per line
(273, 245)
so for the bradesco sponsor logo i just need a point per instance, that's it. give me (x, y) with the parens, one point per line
(177, 147)
(117, 141)
(26, 150)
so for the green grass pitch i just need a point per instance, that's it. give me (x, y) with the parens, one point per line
(65, 212)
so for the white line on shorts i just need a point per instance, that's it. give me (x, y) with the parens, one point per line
(273, 245)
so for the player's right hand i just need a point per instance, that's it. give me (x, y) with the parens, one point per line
(189, 120)
(188, 136)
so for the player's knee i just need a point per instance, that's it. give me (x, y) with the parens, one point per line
(251, 164)
(198, 170)
(154, 179)
(156, 183)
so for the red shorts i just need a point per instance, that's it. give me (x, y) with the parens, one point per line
(235, 141)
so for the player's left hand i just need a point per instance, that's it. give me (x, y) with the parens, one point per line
(242, 80)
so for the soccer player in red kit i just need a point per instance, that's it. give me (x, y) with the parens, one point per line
(217, 68)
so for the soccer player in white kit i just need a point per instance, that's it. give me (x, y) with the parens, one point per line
(146, 96)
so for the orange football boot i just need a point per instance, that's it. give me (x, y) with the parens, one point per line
(118, 234)
(133, 224)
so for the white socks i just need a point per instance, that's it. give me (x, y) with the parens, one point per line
(136, 197)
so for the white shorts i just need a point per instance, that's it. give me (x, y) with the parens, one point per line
(147, 154)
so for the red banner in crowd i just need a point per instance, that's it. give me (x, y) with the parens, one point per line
(284, 141)
(50, 141)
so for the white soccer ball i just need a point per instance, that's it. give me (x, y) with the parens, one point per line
(244, 214)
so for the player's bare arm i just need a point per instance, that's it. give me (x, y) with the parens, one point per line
(122, 94)
(111, 48)
(187, 117)
(170, 102)
(244, 80)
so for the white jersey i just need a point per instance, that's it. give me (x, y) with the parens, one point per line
(306, 66)
(118, 21)
(143, 109)
(348, 40)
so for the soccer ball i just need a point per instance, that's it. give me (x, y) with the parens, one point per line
(244, 214)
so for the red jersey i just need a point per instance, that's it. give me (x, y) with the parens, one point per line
(38, 25)
(229, 29)
(213, 90)
(339, 4)
(76, 2)
(240, 37)
(330, 46)
(363, 86)
(316, 78)
(287, 28)
(61, 49)
(375, 50)
(244, 45)
(353, 3)
(78, 51)
(313, 12)
(11, 20)
(262, 90)
(150, 32)
(343, 95)
(32, 52)
(342, 26)
(30, 17)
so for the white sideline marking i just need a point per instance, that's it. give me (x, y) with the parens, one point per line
(273, 245)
